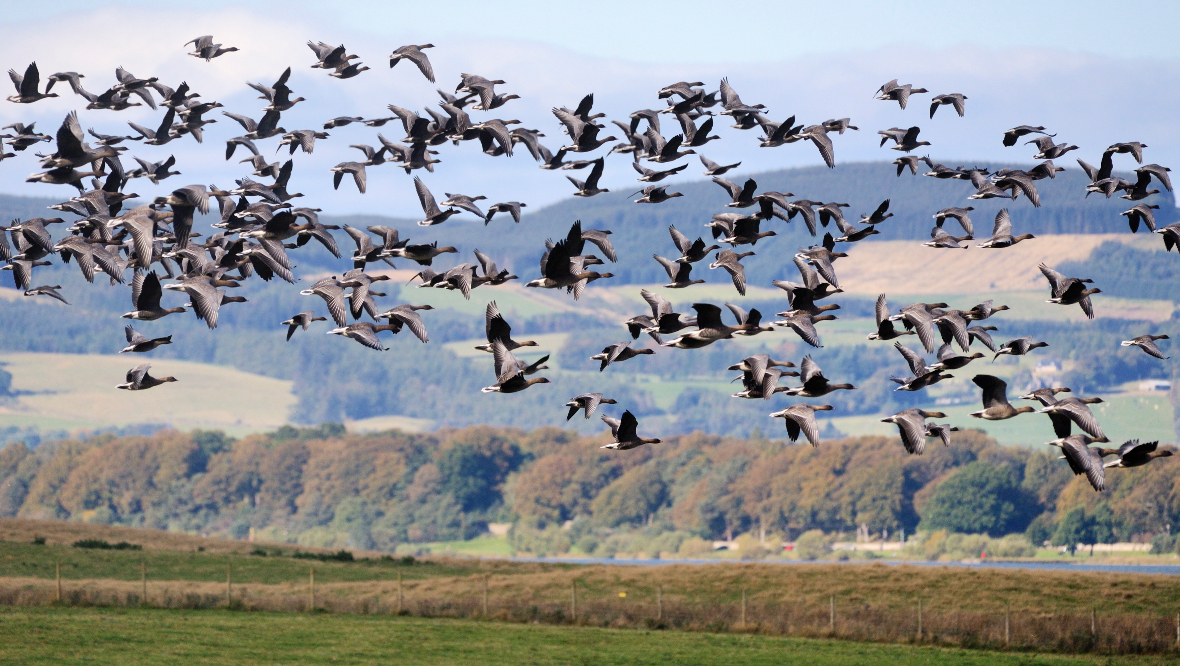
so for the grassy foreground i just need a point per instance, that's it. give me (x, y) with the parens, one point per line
(122, 636)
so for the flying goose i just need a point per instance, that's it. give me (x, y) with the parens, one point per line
(588, 402)
(624, 431)
(1018, 347)
(145, 298)
(948, 360)
(1082, 459)
(1011, 136)
(407, 315)
(510, 372)
(498, 329)
(731, 262)
(891, 91)
(510, 207)
(47, 290)
(885, 328)
(911, 425)
(714, 169)
(413, 53)
(941, 431)
(1141, 212)
(1068, 291)
(301, 320)
(205, 295)
(1074, 410)
(923, 375)
(801, 419)
(995, 400)
(954, 99)
(1134, 454)
(589, 187)
(803, 324)
(1147, 344)
(939, 238)
(909, 140)
(679, 273)
(138, 343)
(434, 215)
(617, 353)
(1002, 233)
(815, 385)
(365, 333)
(138, 379)
(26, 86)
(653, 194)
(709, 328)
(205, 48)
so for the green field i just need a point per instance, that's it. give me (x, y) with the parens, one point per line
(132, 636)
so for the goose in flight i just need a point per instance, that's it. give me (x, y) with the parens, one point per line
(892, 92)
(801, 419)
(434, 215)
(911, 425)
(588, 402)
(1147, 344)
(205, 48)
(589, 187)
(414, 54)
(955, 100)
(1068, 290)
(1002, 233)
(625, 433)
(1134, 454)
(510, 372)
(1012, 135)
(995, 400)
(27, 85)
(138, 379)
(617, 353)
(145, 298)
(301, 320)
(1082, 459)
(139, 344)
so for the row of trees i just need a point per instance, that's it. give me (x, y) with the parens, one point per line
(323, 486)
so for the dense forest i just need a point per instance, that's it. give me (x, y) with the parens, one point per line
(322, 486)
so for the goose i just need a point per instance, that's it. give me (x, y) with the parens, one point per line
(909, 141)
(145, 298)
(839, 125)
(923, 375)
(205, 48)
(981, 333)
(885, 328)
(510, 207)
(1082, 459)
(948, 360)
(26, 86)
(1018, 347)
(851, 233)
(510, 372)
(414, 54)
(434, 215)
(892, 92)
(349, 71)
(1010, 136)
(956, 100)
(1073, 410)
(265, 128)
(624, 431)
(72, 152)
(733, 104)
(154, 171)
(498, 329)
(652, 176)
(714, 169)
(663, 320)
(302, 139)
(589, 187)
(984, 310)
(492, 275)
(1134, 148)
(731, 262)
(763, 385)
(801, 419)
(680, 273)
(941, 431)
(815, 385)
(138, 379)
(559, 269)
(941, 239)
(995, 400)
(653, 194)
(332, 291)
(1018, 180)
(357, 169)
(1139, 189)
(937, 170)
(911, 425)
(464, 202)
(22, 271)
(745, 231)
(821, 257)
(588, 402)
(803, 324)
(1141, 212)
(818, 135)
(25, 136)
(1046, 396)
(750, 320)
(690, 252)
(407, 315)
(779, 134)
(1134, 454)
(1068, 291)
(63, 176)
(710, 329)
(759, 363)
(1047, 150)
(906, 162)
(1147, 344)
(205, 295)
(684, 89)
(617, 353)
(137, 343)
(47, 290)
(1002, 233)
(301, 320)
(364, 332)
(743, 196)
(831, 211)
(920, 317)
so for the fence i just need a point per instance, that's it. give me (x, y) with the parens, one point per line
(513, 598)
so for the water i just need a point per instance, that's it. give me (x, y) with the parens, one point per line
(1162, 569)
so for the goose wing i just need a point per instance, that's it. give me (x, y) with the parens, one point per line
(804, 419)
(660, 306)
(995, 390)
(429, 206)
(413, 321)
(133, 337)
(680, 240)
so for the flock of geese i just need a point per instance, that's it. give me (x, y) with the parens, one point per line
(259, 226)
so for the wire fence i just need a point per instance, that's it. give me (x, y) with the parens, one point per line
(511, 598)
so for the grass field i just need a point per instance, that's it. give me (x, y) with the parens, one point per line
(131, 636)
(69, 391)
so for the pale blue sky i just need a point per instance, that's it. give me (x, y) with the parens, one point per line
(1092, 72)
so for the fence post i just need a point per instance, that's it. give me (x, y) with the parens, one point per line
(311, 599)
(58, 567)
(143, 579)
(399, 593)
(1178, 629)
(743, 608)
(1093, 621)
(485, 594)
(228, 583)
(574, 600)
(832, 612)
(1007, 625)
(660, 603)
(919, 619)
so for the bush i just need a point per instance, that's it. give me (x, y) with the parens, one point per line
(103, 545)
(1013, 545)
(338, 556)
(1041, 529)
(1163, 544)
(694, 547)
(812, 545)
(38, 541)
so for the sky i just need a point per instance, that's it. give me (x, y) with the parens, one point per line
(1093, 75)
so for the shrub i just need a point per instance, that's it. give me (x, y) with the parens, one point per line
(1163, 544)
(38, 541)
(338, 556)
(693, 547)
(812, 545)
(103, 545)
